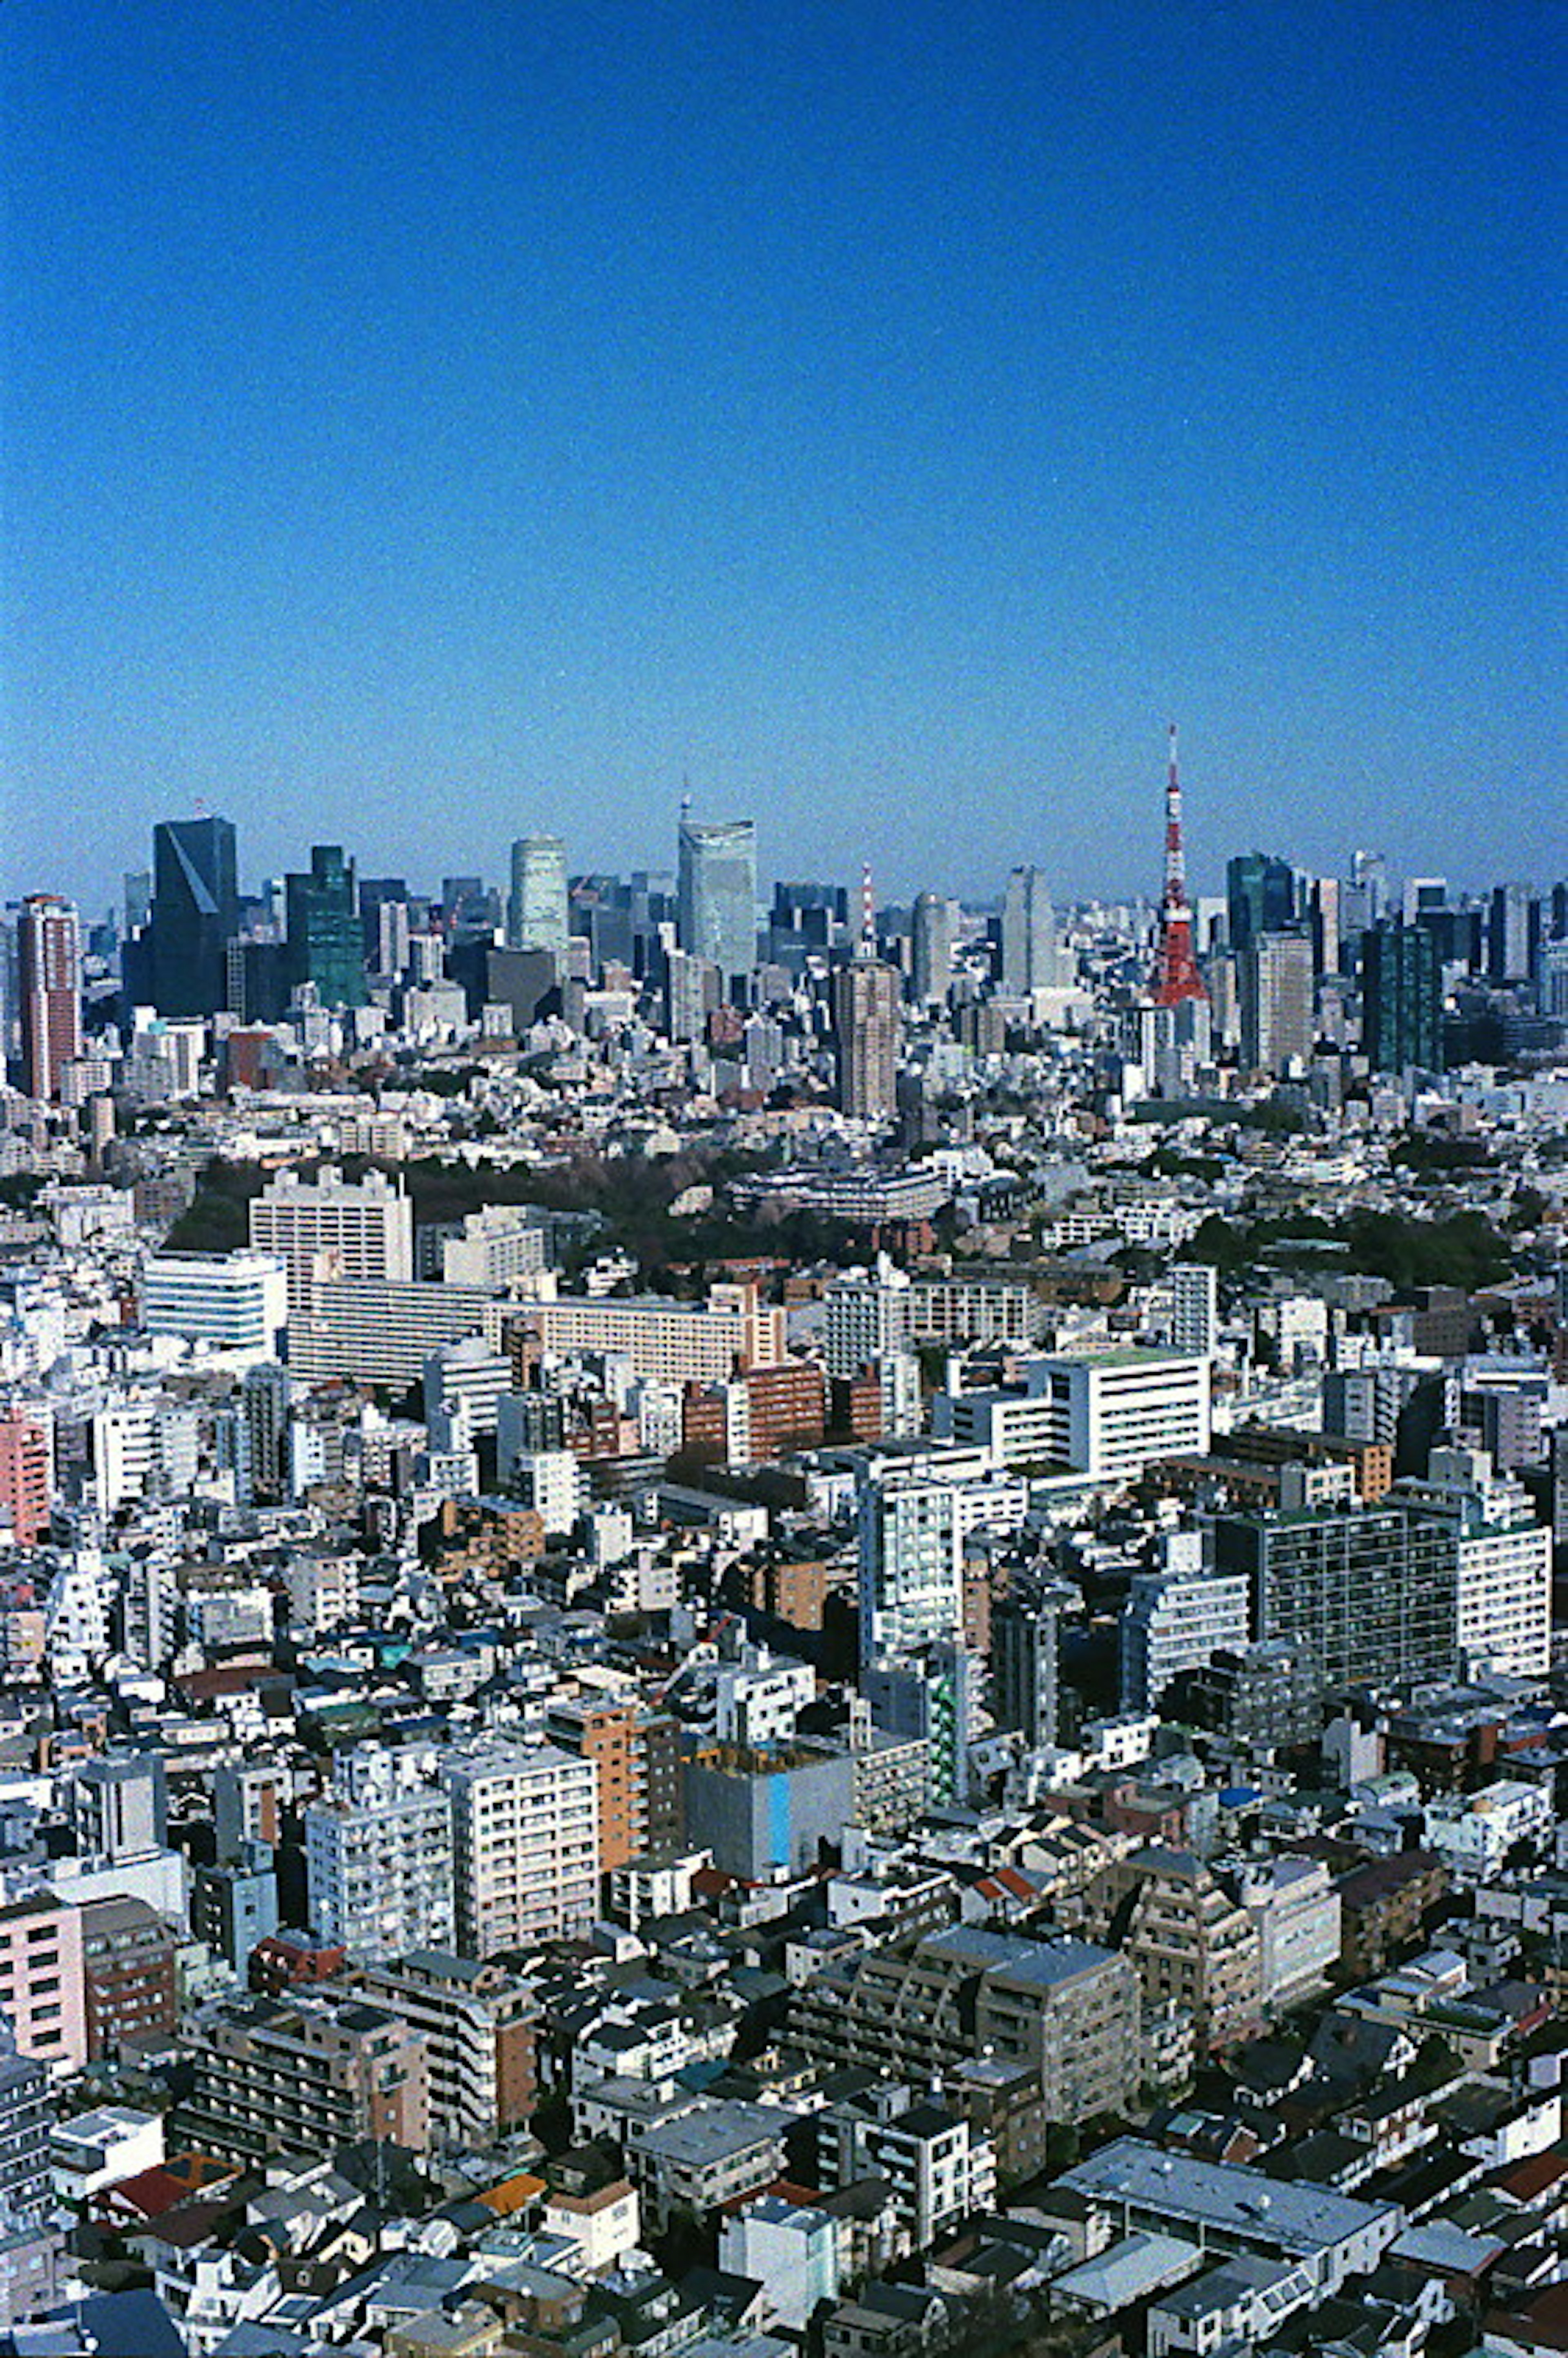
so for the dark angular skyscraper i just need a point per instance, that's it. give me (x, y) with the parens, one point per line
(195, 914)
(1259, 897)
(1401, 998)
(326, 946)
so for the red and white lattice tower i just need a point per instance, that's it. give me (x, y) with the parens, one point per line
(1177, 976)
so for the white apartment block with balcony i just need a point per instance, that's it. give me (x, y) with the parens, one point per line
(332, 1228)
(525, 1841)
(1178, 1619)
(378, 1856)
(673, 1341)
(869, 1316)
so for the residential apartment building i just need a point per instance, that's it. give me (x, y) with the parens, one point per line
(477, 2022)
(41, 1981)
(1178, 1619)
(1067, 2010)
(526, 1845)
(869, 1317)
(302, 2075)
(938, 2168)
(673, 1342)
(128, 1978)
(331, 1228)
(1193, 1945)
(636, 1758)
(1373, 1592)
(1504, 1589)
(950, 1310)
(378, 1856)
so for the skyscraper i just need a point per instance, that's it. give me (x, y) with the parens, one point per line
(717, 894)
(1277, 1003)
(865, 1021)
(1260, 896)
(325, 941)
(537, 905)
(1513, 932)
(1028, 933)
(48, 965)
(1401, 998)
(930, 948)
(195, 914)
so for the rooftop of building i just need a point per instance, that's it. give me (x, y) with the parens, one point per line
(1224, 2197)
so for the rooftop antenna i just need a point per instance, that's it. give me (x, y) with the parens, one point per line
(866, 946)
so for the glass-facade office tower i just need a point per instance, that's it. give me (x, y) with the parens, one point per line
(1259, 897)
(536, 915)
(325, 943)
(195, 914)
(717, 894)
(1401, 998)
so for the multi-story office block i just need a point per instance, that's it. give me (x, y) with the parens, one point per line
(1029, 960)
(325, 945)
(1401, 999)
(48, 975)
(865, 1016)
(42, 1982)
(121, 1807)
(931, 933)
(1107, 1416)
(302, 2076)
(526, 1837)
(536, 907)
(378, 1854)
(237, 1302)
(1373, 1592)
(1064, 2008)
(233, 1906)
(329, 1228)
(195, 915)
(1278, 1027)
(717, 894)
(1259, 897)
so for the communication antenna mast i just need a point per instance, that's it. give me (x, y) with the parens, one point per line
(1177, 976)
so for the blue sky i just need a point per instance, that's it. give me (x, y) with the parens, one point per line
(429, 422)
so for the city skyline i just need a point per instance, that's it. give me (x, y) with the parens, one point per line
(426, 429)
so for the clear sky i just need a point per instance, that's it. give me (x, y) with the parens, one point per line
(429, 420)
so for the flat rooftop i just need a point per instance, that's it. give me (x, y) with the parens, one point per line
(1224, 2197)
